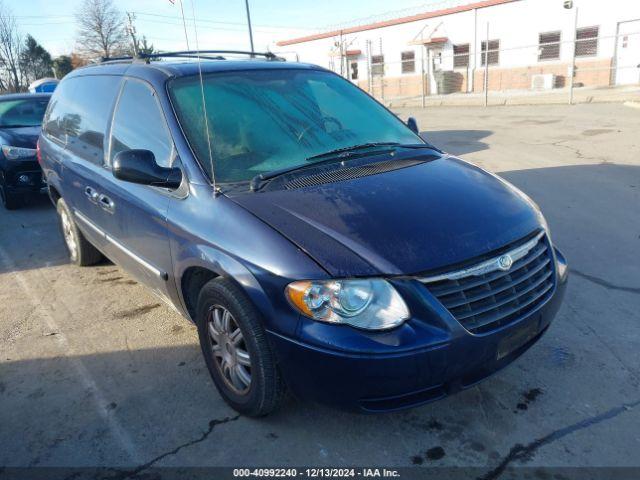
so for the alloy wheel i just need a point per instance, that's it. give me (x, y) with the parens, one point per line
(69, 237)
(230, 353)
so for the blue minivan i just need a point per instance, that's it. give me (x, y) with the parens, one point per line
(320, 245)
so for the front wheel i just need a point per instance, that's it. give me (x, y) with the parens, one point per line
(236, 350)
(81, 252)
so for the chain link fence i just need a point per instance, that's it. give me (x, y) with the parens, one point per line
(591, 68)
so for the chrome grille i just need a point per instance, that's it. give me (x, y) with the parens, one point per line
(484, 297)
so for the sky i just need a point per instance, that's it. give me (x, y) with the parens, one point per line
(220, 24)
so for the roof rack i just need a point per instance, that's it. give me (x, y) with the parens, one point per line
(203, 54)
(115, 59)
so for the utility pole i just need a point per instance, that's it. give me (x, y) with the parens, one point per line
(131, 30)
(246, 2)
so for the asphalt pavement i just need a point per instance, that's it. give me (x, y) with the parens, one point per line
(95, 371)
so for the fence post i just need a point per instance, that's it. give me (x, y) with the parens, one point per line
(422, 76)
(486, 68)
(383, 69)
(369, 74)
(572, 69)
(341, 45)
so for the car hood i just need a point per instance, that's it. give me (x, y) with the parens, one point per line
(406, 221)
(20, 137)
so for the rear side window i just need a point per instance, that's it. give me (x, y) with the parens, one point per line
(138, 123)
(79, 114)
(54, 121)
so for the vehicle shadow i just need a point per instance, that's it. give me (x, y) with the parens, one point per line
(457, 142)
(594, 214)
(30, 236)
(159, 399)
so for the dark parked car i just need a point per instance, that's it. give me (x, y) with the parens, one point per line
(20, 121)
(316, 240)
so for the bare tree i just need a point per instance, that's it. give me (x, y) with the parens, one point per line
(101, 30)
(11, 78)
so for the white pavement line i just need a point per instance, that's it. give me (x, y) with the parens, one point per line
(119, 433)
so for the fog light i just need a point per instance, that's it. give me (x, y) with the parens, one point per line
(24, 179)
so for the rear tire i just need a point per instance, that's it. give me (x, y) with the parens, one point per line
(238, 355)
(81, 252)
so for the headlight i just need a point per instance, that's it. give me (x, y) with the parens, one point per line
(370, 304)
(14, 153)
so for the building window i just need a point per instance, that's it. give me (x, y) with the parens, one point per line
(377, 65)
(587, 41)
(549, 46)
(461, 56)
(354, 70)
(494, 52)
(408, 62)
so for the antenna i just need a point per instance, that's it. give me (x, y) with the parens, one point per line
(204, 104)
(246, 3)
(184, 24)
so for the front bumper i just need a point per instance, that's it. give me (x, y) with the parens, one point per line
(377, 372)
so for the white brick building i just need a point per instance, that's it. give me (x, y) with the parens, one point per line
(527, 39)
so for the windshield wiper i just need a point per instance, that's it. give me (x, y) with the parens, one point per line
(259, 180)
(335, 155)
(347, 151)
(18, 126)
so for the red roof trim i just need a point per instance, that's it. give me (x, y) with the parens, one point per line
(435, 40)
(396, 21)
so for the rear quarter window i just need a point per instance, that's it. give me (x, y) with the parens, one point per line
(79, 113)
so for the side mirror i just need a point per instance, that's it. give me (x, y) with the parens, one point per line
(413, 125)
(139, 166)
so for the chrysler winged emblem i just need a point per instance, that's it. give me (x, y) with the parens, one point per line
(505, 262)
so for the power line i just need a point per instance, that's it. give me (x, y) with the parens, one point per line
(147, 14)
(238, 26)
(204, 20)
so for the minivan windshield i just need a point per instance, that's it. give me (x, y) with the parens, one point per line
(265, 120)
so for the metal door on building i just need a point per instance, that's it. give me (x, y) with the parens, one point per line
(628, 53)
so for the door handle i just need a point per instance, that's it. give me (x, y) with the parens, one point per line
(106, 203)
(91, 194)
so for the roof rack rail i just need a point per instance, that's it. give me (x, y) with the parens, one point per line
(116, 59)
(203, 54)
(199, 53)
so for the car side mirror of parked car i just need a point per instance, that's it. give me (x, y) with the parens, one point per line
(139, 166)
(413, 125)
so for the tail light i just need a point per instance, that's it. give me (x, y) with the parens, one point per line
(38, 153)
